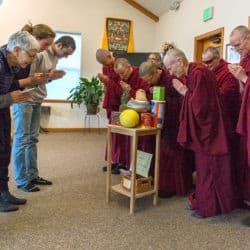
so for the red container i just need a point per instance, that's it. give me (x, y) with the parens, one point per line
(158, 112)
(115, 120)
(146, 120)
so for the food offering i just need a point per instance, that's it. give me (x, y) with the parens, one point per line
(129, 118)
(140, 103)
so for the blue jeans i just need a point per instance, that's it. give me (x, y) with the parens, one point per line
(26, 118)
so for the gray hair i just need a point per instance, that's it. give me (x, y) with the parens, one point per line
(24, 40)
(174, 54)
(214, 51)
(243, 31)
(147, 68)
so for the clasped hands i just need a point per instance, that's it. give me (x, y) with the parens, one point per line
(103, 78)
(43, 78)
(179, 87)
(125, 86)
(238, 72)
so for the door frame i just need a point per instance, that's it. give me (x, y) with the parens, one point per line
(199, 40)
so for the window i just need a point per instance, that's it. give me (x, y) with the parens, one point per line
(59, 89)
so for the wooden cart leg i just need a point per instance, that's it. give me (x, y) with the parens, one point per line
(108, 177)
(134, 143)
(157, 161)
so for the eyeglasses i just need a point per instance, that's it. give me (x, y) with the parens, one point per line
(31, 56)
(208, 61)
(239, 44)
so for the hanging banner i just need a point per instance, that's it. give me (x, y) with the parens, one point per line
(118, 35)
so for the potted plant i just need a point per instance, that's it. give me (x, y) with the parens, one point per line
(88, 92)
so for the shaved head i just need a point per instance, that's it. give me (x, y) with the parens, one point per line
(240, 40)
(123, 68)
(104, 56)
(242, 30)
(211, 57)
(121, 63)
(147, 68)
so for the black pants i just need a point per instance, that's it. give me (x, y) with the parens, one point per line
(5, 147)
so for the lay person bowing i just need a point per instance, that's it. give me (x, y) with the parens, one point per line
(27, 116)
(18, 53)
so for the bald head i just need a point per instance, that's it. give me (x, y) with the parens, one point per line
(104, 57)
(240, 40)
(241, 30)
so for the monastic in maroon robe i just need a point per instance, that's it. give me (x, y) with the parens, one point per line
(122, 143)
(175, 174)
(229, 96)
(243, 128)
(202, 130)
(110, 101)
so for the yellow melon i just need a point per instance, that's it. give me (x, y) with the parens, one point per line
(129, 118)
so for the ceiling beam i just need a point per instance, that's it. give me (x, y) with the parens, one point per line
(143, 10)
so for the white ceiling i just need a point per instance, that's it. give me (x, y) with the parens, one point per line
(157, 7)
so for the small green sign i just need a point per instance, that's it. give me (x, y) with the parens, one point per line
(208, 13)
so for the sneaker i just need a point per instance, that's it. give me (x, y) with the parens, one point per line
(7, 207)
(29, 188)
(40, 181)
(8, 197)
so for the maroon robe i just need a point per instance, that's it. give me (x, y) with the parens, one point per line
(229, 96)
(243, 128)
(122, 143)
(202, 130)
(175, 174)
(111, 103)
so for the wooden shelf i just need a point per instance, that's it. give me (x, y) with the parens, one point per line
(134, 133)
(119, 189)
